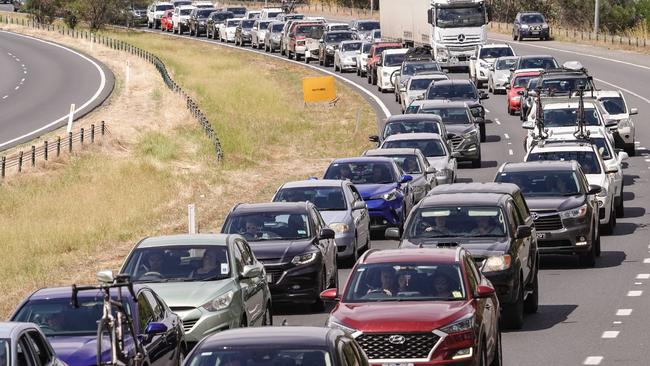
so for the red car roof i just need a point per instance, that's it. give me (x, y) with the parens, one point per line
(420, 255)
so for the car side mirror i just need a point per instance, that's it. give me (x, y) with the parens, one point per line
(432, 170)
(611, 123)
(611, 171)
(512, 69)
(392, 233)
(251, 271)
(405, 178)
(634, 111)
(528, 125)
(154, 328)
(622, 156)
(326, 234)
(473, 58)
(594, 189)
(330, 295)
(491, 68)
(523, 231)
(373, 138)
(455, 154)
(359, 205)
(484, 291)
(105, 276)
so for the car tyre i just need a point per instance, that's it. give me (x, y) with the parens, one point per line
(630, 149)
(476, 163)
(267, 321)
(608, 229)
(513, 314)
(483, 360)
(588, 259)
(483, 132)
(514, 36)
(597, 242)
(319, 305)
(531, 304)
(620, 206)
(369, 78)
(498, 351)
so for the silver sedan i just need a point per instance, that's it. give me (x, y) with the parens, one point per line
(499, 74)
(345, 56)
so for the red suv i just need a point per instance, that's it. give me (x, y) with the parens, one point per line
(373, 57)
(515, 90)
(427, 306)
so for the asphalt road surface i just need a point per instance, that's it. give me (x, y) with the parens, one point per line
(586, 316)
(40, 80)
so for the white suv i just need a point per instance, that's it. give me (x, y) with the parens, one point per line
(390, 61)
(596, 171)
(483, 59)
(180, 18)
(155, 12)
(615, 108)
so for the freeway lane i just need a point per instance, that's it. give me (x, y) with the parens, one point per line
(39, 82)
(577, 305)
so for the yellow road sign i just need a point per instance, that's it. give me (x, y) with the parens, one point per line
(319, 89)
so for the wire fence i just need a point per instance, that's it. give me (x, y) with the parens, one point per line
(120, 45)
(579, 35)
(52, 148)
(329, 9)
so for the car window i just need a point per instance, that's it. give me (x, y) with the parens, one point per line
(512, 218)
(5, 351)
(145, 312)
(325, 198)
(429, 147)
(349, 355)
(494, 52)
(269, 226)
(602, 147)
(362, 172)
(393, 128)
(587, 159)
(472, 275)
(23, 353)
(246, 255)
(239, 258)
(613, 105)
(449, 115)
(156, 306)
(42, 352)
(456, 221)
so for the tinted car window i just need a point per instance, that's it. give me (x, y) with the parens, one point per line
(538, 63)
(453, 116)
(505, 64)
(495, 52)
(362, 172)
(532, 18)
(430, 148)
(277, 28)
(420, 84)
(164, 7)
(354, 46)
(394, 59)
(269, 226)
(415, 68)
(408, 163)
(204, 13)
(521, 81)
(339, 37)
(543, 183)
(4, 352)
(261, 355)
(441, 222)
(613, 105)
(325, 198)
(568, 117)
(393, 128)
(567, 85)
(587, 159)
(367, 26)
(462, 91)
(41, 350)
(58, 317)
(248, 24)
(145, 312)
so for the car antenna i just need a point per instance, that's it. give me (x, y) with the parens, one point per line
(581, 133)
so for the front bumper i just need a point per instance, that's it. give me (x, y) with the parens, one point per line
(528, 33)
(572, 238)
(348, 64)
(623, 137)
(469, 149)
(604, 209)
(345, 244)
(294, 284)
(199, 323)
(384, 214)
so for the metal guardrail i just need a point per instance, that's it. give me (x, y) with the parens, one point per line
(578, 35)
(120, 45)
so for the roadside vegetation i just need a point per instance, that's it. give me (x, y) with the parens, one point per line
(63, 221)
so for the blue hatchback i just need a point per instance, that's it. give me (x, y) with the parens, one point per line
(72, 332)
(382, 184)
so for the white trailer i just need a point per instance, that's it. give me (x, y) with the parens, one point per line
(453, 28)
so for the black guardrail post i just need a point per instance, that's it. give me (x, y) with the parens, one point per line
(4, 166)
(92, 134)
(45, 149)
(20, 162)
(81, 136)
(70, 142)
(33, 155)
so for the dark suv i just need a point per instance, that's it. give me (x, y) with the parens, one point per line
(463, 91)
(562, 203)
(492, 221)
(216, 18)
(294, 244)
(199, 21)
(530, 25)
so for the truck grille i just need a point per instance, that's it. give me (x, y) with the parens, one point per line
(188, 324)
(548, 222)
(468, 39)
(415, 346)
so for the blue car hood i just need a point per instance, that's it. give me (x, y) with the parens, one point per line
(77, 350)
(371, 190)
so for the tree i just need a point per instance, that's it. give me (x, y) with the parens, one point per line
(98, 13)
(43, 11)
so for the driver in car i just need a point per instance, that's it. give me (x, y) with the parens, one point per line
(253, 229)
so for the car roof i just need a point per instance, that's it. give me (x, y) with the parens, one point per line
(419, 255)
(438, 103)
(563, 146)
(66, 292)
(413, 117)
(385, 44)
(395, 51)
(536, 56)
(606, 93)
(184, 239)
(489, 187)
(573, 104)
(452, 199)
(183, 7)
(351, 41)
(340, 32)
(525, 72)
(11, 329)
(529, 12)
(288, 207)
(314, 183)
(413, 136)
(496, 45)
(542, 165)
(453, 82)
(363, 159)
(391, 151)
(269, 336)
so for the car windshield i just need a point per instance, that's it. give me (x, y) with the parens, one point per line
(430, 148)
(185, 11)
(602, 147)
(233, 23)
(587, 159)
(532, 18)
(394, 59)
(495, 52)
(393, 128)
(338, 37)
(521, 81)
(453, 17)
(269, 226)
(412, 109)
(419, 67)
(239, 12)
(277, 28)
(263, 25)
(456, 221)
(248, 23)
(505, 64)
(204, 13)
(366, 47)
(451, 116)
(377, 282)
(421, 84)
(223, 16)
(362, 172)
(314, 31)
(408, 163)
(339, 27)
(367, 26)
(376, 33)
(165, 7)
(273, 14)
(543, 183)
(613, 105)
(57, 316)
(179, 3)
(561, 117)
(563, 86)
(4, 351)
(459, 91)
(325, 198)
(354, 46)
(538, 63)
(179, 263)
(263, 355)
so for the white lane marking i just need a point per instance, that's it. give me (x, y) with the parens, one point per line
(17, 87)
(647, 160)
(609, 334)
(17, 60)
(623, 312)
(509, 143)
(510, 152)
(5, 97)
(643, 276)
(487, 110)
(102, 85)
(593, 360)
(635, 293)
(637, 142)
(506, 135)
(497, 121)
(23, 65)
(638, 283)
(617, 322)
(646, 260)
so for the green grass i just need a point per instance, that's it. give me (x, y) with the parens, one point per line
(158, 146)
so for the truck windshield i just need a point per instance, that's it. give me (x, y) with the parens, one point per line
(467, 16)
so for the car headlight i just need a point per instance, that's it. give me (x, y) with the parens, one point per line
(623, 123)
(470, 134)
(340, 227)
(497, 263)
(306, 258)
(220, 302)
(463, 324)
(442, 173)
(524, 26)
(483, 64)
(443, 52)
(389, 196)
(386, 74)
(334, 323)
(544, 25)
(574, 213)
(202, 22)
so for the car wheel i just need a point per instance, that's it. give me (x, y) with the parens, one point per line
(514, 36)
(629, 149)
(476, 163)
(358, 72)
(588, 259)
(597, 242)
(368, 77)
(498, 351)
(483, 360)
(513, 314)
(243, 323)
(482, 132)
(620, 206)
(267, 321)
(531, 304)
(519, 36)
(609, 227)
(319, 305)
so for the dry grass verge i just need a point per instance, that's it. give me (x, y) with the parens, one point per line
(63, 221)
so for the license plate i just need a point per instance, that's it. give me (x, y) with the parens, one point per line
(541, 235)
(535, 32)
(269, 278)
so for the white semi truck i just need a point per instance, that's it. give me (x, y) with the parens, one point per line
(453, 28)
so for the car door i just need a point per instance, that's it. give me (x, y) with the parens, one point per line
(361, 216)
(172, 337)
(520, 247)
(428, 176)
(486, 308)
(251, 288)
(327, 246)
(154, 343)
(42, 353)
